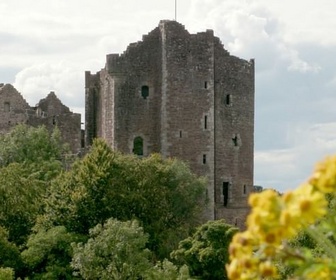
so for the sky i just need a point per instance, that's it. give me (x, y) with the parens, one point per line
(48, 45)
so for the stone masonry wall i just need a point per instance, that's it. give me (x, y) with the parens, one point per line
(189, 120)
(234, 107)
(198, 105)
(132, 114)
(49, 112)
(13, 108)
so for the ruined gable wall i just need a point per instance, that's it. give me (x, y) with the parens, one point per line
(13, 108)
(51, 112)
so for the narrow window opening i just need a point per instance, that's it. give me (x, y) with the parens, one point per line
(138, 146)
(235, 140)
(180, 133)
(226, 193)
(204, 159)
(144, 92)
(236, 221)
(228, 99)
(6, 106)
(244, 189)
(54, 120)
(205, 84)
(205, 122)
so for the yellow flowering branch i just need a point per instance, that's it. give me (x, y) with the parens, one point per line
(275, 219)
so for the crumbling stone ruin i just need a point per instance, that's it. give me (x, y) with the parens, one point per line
(182, 95)
(48, 112)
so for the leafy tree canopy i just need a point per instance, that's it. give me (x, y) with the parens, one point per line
(29, 160)
(115, 250)
(9, 256)
(30, 144)
(162, 194)
(48, 254)
(206, 251)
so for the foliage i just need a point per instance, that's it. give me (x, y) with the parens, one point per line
(275, 220)
(9, 255)
(6, 273)
(29, 161)
(21, 192)
(48, 254)
(206, 251)
(161, 194)
(167, 271)
(115, 250)
(26, 144)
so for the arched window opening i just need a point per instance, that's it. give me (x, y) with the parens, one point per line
(138, 146)
(144, 92)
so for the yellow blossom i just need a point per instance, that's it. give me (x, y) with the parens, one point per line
(324, 177)
(275, 219)
(268, 270)
(310, 204)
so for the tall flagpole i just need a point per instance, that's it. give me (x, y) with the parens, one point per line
(175, 10)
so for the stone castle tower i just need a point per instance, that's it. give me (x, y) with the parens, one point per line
(182, 95)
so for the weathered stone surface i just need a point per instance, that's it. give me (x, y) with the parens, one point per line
(48, 112)
(186, 97)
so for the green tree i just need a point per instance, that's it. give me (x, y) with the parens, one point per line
(29, 159)
(6, 273)
(26, 144)
(206, 251)
(49, 253)
(9, 256)
(21, 192)
(115, 250)
(163, 195)
(168, 271)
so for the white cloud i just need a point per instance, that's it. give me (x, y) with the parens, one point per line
(284, 169)
(66, 80)
(251, 30)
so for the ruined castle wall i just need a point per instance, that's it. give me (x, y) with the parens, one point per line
(51, 112)
(234, 107)
(69, 125)
(13, 108)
